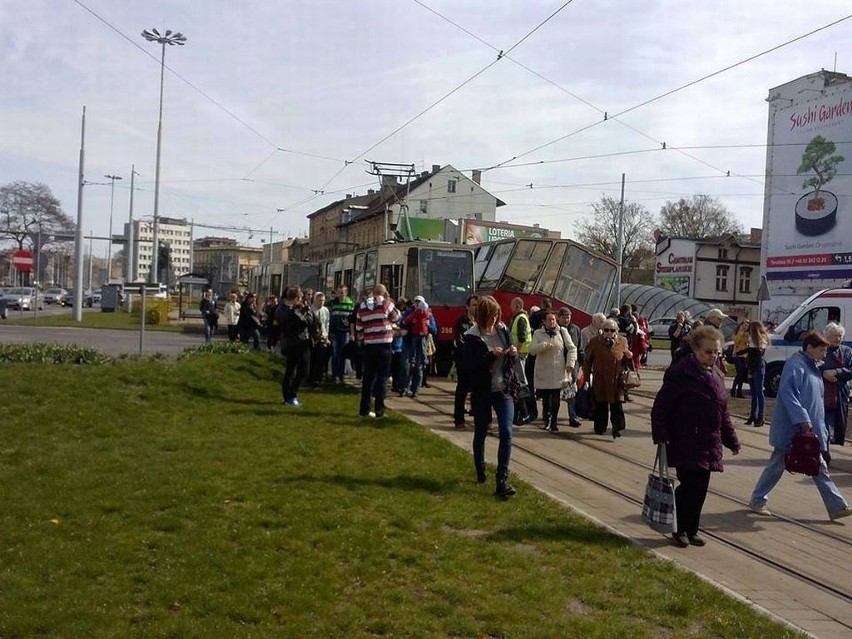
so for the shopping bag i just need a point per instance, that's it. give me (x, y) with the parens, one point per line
(584, 402)
(804, 456)
(659, 508)
(568, 390)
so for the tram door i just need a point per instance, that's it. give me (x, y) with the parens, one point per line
(391, 276)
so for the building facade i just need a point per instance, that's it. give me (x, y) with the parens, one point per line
(723, 272)
(224, 263)
(177, 233)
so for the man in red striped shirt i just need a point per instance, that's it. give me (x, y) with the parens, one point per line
(374, 329)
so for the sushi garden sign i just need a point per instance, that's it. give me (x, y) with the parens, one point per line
(808, 208)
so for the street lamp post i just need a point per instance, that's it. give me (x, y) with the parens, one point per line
(152, 35)
(112, 179)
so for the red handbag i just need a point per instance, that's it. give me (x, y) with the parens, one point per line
(804, 456)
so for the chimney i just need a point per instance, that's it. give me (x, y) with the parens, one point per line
(348, 195)
(371, 191)
(436, 168)
(424, 174)
(476, 176)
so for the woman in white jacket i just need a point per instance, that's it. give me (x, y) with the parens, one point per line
(232, 315)
(555, 355)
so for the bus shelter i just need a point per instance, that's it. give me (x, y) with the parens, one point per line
(190, 290)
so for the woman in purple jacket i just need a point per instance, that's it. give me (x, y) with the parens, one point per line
(690, 415)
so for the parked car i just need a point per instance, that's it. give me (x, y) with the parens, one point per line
(92, 297)
(25, 298)
(659, 327)
(56, 296)
(2, 303)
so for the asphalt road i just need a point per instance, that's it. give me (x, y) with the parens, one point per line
(111, 342)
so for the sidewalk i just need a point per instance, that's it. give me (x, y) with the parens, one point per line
(794, 565)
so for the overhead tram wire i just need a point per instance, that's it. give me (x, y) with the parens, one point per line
(500, 55)
(197, 89)
(672, 91)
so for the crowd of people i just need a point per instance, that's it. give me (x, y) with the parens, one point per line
(505, 370)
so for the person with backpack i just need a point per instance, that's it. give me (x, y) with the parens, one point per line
(555, 356)
(799, 408)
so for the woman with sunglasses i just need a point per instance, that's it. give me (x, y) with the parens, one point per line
(690, 415)
(606, 356)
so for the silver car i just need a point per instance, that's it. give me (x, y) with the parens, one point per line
(25, 298)
(56, 296)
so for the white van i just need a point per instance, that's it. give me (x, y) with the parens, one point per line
(829, 305)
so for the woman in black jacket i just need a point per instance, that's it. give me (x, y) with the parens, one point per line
(298, 327)
(462, 326)
(489, 358)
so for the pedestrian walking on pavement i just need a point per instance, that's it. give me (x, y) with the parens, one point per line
(463, 324)
(799, 408)
(555, 356)
(488, 350)
(690, 416)
(758, 342)
(836, 373)
(606, 356)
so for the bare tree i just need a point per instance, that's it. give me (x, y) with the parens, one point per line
(600, 231)
(28, 209)
(699, 217)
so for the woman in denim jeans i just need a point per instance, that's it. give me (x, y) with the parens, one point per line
(758, 341)
(487, 350)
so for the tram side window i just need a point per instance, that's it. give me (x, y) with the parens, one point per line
(358, 283)
(370, 269)
(550, 274)
(480, 262)
(813, 320)
(495, 267)
(275, 284)
(524, 266)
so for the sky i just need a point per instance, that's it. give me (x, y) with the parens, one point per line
(273, 108)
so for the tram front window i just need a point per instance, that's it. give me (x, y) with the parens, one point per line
(523, 269)
(446, 277)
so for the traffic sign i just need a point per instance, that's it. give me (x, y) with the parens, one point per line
(22, 260)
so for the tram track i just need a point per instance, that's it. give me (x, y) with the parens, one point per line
(841, 593)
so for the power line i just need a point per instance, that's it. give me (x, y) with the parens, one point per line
(673, 91)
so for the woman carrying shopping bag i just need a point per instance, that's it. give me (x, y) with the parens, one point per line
(690, 415)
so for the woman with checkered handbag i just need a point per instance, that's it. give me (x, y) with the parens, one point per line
(690, 415)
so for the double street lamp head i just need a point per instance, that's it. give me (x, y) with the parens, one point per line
(152, 35)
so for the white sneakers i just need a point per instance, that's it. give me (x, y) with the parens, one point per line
(760, 510)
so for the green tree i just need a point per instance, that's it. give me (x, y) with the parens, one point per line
(600, 231)
(697, 218)
(819, 159)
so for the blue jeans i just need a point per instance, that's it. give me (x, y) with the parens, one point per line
(770, 476)
(757, 398)
(339, 339)
(415, 358)
(209, 329)
(504, 408)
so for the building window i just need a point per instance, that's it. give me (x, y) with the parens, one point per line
(745, 279)
(424, 206)
(722, 278)
(451, 186)
(723, 254)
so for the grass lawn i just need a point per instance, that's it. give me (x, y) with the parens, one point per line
(94, 318)
(181, 499)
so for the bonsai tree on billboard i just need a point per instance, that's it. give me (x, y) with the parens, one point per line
(819, 159)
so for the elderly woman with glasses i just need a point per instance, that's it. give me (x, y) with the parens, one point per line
(606, 356)
(836, 373)
(690, 415)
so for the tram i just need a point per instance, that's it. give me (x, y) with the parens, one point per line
(535, 268)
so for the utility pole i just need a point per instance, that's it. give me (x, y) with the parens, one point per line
(112, 179)
(78, 236)
(131, 276)
(619, 250)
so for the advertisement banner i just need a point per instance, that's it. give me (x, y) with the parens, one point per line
(478, 232)
(423, 228)
(675, 267)
(809, 188)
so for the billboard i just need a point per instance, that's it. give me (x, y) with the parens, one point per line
(808, 208)
(675, 268)
(478, 232)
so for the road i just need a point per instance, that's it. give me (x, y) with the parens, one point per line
(111, 342)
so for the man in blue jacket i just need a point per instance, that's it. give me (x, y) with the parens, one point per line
(799, 408)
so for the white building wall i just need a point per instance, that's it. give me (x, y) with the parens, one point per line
(177, 233)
